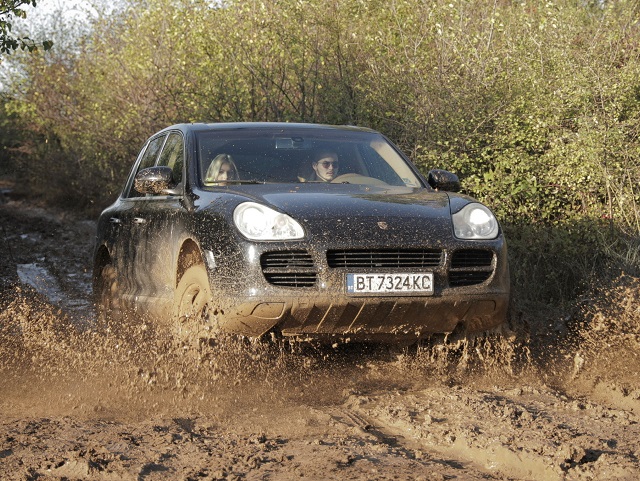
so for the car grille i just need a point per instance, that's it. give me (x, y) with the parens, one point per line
(470, 267)
(288, 268)
(405, 258)
(296, 268)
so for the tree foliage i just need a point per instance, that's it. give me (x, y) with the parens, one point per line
(536, 105)
(9, 10)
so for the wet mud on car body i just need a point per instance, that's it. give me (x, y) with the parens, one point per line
(376, 254)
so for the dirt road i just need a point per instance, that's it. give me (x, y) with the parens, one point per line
(551, 399)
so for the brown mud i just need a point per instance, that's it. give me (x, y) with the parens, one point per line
(546, 399)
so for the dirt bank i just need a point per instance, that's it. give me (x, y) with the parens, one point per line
(551, 399)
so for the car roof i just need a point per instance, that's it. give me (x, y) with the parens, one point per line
(197, 127)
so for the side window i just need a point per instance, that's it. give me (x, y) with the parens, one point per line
(173, 155)
(148, 160)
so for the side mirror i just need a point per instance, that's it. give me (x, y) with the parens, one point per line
(443, 180)
(155, 180)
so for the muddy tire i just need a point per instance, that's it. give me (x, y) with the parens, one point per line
(191, 320)
(106, 292)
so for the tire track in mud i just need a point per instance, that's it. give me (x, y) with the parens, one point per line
(401, 441)
(519, 433)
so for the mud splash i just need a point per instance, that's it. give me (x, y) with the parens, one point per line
(605, 350)
(135, 369)
(135, 361)
(484, 408)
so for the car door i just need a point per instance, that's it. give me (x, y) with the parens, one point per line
(127, 221)
(158, 222)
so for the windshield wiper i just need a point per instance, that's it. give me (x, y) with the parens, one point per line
(239, 182)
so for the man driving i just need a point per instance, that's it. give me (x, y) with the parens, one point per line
(325, 166)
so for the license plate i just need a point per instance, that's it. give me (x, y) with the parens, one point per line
(405, 283)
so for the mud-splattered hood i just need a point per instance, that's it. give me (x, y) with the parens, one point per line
(341, 214)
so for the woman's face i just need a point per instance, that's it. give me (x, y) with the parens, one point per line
(226, 172)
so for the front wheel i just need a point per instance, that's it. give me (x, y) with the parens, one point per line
(190, 316)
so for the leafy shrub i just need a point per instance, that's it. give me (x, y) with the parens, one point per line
(536, 105)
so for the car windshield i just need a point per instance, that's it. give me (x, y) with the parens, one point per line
(300, 155)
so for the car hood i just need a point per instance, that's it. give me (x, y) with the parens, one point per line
(340, 214)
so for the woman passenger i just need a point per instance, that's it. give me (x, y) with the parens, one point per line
(221, 169)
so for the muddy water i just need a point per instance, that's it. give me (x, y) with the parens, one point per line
(132, 370)
(480, 408)
(543, 399)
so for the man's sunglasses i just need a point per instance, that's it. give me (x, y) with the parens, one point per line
(326, 164)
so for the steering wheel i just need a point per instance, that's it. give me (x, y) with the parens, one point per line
(353, 178)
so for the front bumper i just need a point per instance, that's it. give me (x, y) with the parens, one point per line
(248, 301)
(378, 319)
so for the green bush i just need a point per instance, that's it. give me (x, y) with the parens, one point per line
(536, 105)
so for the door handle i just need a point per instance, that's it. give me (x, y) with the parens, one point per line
(115, 220)
(139, 220)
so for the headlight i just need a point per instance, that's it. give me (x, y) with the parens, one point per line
(258, 222)
(475, 221)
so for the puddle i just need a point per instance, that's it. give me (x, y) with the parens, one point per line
(79, 308)
(41, 280)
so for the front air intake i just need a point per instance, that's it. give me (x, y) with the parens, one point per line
(470, 267)
(288, 268)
